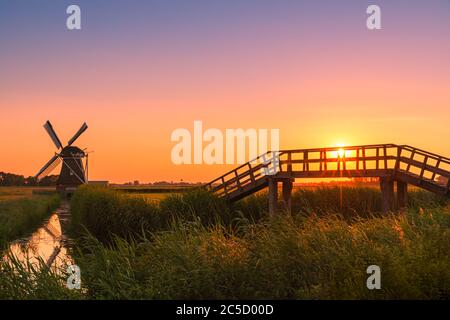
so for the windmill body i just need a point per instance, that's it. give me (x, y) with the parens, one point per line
(72, 169)
(74, 162)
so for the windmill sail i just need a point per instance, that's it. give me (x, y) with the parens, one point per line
(79, 133)
(49, 166)
(49, 128)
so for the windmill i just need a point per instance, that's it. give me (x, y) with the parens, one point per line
(73, 170)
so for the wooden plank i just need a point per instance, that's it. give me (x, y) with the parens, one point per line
(224, 185)
(252, 175)
(419, 164)
(246, 191)
(365, 159)
(397, 161)
(321, 161)
(437, 166)
(305, 163)
(427, 153)
(331, 160)
(236, 185)
(402, 194)
(408, 167)
(387, 193)
(424, 164)
(344, 162)
(273, 196)
(357, 159)
(378, 158)
(289, 165)
(337, 174)
(415, 180)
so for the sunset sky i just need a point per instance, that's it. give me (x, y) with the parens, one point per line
(140, 69)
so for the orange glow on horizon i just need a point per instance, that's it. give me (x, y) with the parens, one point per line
(323, 84)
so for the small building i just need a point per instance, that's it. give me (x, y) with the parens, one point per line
(103, 183)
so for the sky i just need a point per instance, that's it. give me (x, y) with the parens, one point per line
(138, 70)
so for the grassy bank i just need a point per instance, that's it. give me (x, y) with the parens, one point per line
(194, 246)
(21, 216)
(278, 258)
(106, 213)
(199, 248)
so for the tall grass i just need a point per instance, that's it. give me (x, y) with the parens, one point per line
(19, 217)
(347, 202)
(107, 213)
(194, 246)
(277, 258)
(30, 281)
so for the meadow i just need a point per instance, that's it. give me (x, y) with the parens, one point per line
(195, 246)
(14, 193)
(22, 210)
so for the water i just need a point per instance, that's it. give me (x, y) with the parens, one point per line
(48, 242)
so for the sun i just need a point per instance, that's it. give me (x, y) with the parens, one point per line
(341, 153)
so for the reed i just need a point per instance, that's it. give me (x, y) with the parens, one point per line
(21, 216)
(194, 246)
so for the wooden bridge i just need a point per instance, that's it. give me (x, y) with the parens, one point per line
(398, 165)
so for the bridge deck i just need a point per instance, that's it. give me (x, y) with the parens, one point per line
(401, 163)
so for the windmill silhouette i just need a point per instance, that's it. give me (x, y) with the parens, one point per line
(73, 170)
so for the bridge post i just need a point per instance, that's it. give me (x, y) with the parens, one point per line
(387, 193)
(402, 194)
(273, 196)
(287, 193)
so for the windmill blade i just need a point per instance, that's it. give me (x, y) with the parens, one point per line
(79, 133)
(51, 132)
(49, 166)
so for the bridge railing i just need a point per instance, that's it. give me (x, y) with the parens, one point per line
(367, 159)
(424, 164)
(350, 161)
(243, 176)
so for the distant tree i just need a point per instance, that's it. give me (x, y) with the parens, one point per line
(48, 181)
(10, 179)
(31, 181)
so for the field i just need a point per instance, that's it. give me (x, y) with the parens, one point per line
(14, 193)
(151, 193)
(195, 246)
(24, 209)
(158, 193)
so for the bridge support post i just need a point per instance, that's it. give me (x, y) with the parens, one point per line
(402, 194)
(287, 193)
(273, 196)
(387, 193)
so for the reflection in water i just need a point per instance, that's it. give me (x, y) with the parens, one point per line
(48, 243)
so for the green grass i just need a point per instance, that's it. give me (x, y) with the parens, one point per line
(32, 282)
(14, 193)
(21, 216)
(106, 213)
(277, 258)
(194, 246)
